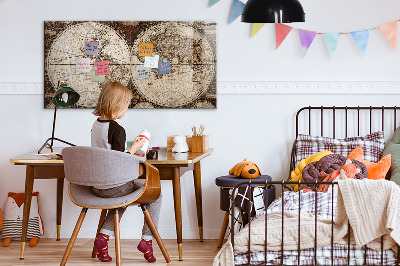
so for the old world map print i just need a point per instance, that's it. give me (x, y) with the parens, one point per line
(189, 48)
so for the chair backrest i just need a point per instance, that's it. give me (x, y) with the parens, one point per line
(92, 166)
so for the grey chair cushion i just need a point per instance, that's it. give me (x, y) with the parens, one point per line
(83, 196)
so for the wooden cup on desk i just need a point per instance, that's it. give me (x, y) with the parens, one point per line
(200, 143)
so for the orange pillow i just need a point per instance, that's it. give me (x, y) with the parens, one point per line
(375, 170)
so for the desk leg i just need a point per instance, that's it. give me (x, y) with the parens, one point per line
(176, 182)
(60, 190)
(199, 204)
(27, 206)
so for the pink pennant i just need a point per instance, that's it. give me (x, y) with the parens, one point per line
(281, 31)
(389, 30)
(306, 39)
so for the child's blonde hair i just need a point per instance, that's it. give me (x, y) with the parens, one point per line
(113, 97)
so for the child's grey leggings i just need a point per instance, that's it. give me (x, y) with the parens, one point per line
(154, 208)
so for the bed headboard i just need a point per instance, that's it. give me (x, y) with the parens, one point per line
(344, 121)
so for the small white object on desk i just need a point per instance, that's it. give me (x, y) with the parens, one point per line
(180, 144)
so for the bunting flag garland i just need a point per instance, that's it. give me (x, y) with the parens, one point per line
(281, 31)
(237, 9)
(361, 38)
(306, 39)
(332, 41)
(213, 2)
(389, 30)
(255, 28)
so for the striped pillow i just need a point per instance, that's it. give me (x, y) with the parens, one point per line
(372, 145)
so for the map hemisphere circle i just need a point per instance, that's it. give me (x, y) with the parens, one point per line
(70, 45)
(192, 64)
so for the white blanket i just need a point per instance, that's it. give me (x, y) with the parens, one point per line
(371, 206)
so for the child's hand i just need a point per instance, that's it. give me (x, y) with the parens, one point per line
(137, 144)
(143, 155)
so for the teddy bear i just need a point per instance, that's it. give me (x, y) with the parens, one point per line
(13, 215)
(180, 144)
(245, 169)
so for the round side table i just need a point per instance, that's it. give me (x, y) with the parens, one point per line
(228, 182)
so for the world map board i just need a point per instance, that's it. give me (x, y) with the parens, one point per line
(189, 47)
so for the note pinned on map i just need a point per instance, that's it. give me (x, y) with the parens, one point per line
(142, 72)
(151, 61)
(99, 78)
(91, 48)
(145, 48)
(102, 68)
(164, 67)
(83, 65)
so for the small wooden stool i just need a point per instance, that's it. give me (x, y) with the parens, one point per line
(226, 183)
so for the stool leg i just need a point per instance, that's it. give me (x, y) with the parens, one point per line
(223, 229)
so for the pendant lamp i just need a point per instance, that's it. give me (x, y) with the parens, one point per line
(63, 97)
(272, 11)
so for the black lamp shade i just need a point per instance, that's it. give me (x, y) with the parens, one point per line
(273, 11)
(65, 96)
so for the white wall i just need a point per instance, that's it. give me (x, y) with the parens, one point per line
(259, 127)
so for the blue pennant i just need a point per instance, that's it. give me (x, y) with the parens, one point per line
(361, 38)
(237, 9)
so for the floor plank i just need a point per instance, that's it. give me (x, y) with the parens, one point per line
(49, 252)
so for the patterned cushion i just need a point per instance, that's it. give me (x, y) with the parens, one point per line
(372, 144)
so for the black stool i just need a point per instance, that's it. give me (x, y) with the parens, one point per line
(226, 183)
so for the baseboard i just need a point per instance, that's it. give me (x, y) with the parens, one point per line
(258, 87)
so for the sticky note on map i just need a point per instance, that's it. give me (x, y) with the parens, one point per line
(145, 48)
(83, 65)
(99, 78)
(91, 48)
(164, 67)
(151, 61)
(102, 68)
(142, 72)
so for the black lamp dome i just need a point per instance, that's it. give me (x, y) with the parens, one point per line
(273, 11)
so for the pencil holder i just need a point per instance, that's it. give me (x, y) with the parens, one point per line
(200, 143)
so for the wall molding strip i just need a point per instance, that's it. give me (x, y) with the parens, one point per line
(259, 87)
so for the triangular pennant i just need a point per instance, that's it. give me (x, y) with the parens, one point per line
(237, 9)
(255, 28)
(213, 2)
(306, 39)
(281, 31)
(332, 41)
(361, 37)
(389, 30)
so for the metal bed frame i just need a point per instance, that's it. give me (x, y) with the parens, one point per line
(283, 184)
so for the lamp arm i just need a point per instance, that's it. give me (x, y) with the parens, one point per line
(54, 125)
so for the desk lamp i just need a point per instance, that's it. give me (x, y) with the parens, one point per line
(272, 11)
(63, 97)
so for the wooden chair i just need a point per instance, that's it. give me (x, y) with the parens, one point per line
(85, 167)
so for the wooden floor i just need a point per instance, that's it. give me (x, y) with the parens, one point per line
(50, 252)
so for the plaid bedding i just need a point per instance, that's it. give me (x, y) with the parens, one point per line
(324, 257)
(372, 145)
(322, 207)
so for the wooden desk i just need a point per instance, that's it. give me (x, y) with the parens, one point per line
(40, 167)
(168, 164)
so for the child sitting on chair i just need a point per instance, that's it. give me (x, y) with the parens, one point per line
(106, 133)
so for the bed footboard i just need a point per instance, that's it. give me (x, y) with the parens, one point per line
(309, 256)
